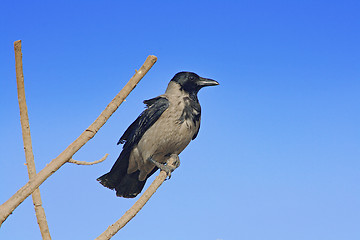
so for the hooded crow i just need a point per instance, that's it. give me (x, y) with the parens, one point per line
(163, 129)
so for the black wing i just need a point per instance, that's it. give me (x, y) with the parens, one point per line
(132, 135)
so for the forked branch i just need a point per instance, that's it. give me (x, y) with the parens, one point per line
(9, 206)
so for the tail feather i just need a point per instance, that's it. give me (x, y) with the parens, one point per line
(130, 186)
(105, 180)
(117, 172)
(126, 185)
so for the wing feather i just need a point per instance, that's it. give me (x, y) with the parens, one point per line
(155, 108)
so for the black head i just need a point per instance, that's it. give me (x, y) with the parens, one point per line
(191, 82)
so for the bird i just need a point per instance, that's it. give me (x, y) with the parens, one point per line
(163, 130)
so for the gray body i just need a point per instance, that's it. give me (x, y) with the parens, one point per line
(168, 135)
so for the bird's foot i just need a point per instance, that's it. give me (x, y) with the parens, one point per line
(171, 164)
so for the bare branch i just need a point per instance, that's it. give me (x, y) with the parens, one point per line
(138, 205)
(24, 119)
(88, 163)
(9, 206)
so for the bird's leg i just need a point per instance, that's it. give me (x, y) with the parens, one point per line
(171, 164)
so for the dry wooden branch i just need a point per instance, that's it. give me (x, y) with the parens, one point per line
(138, 205)
(24, 119)
(88, 163)
(9, 206)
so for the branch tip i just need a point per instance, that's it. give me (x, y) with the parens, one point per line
(88, 163)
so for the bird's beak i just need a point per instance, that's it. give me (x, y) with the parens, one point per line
(207, 82)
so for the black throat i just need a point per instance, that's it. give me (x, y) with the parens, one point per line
(192, 109)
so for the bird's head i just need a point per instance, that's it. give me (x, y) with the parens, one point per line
(191, 82)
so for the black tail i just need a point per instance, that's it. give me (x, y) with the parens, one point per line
(126, 185)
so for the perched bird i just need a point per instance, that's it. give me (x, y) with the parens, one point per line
(163, 129)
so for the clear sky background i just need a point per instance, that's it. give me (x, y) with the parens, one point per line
(278, 153)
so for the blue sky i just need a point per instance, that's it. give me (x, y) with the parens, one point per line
(278, 153)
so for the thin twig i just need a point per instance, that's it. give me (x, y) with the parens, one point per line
(9, 206)
(88, 163)
(30, 163)
(138, 205)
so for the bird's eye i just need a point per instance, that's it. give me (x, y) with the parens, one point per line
(191, 78)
